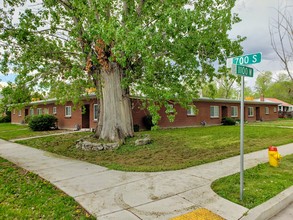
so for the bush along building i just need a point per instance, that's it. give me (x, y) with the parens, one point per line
(207, 112)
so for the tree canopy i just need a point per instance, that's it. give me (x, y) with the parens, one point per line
(164, 50)
(14, 94)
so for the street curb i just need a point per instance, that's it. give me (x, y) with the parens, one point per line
(271, 207)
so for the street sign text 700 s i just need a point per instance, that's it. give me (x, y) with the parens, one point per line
(247, 59)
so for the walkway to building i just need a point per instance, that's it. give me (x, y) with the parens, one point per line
(110, 194)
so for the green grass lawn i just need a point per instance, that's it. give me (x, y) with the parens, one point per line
(171, 149)
(23, 195)
(280, 122)
(13, 131)
(260, 183)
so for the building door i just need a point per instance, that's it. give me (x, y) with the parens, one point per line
(86, 116)
(224, 112)
(257, 114)
(26, 112)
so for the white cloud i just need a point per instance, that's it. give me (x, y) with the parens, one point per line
(256, 17)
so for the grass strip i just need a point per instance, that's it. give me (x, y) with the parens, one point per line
(24, 195)
(171, 149)
(261, 183)
(13, 131)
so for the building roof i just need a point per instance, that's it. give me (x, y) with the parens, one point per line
(236, 101)
(203, 99)
(276, 101)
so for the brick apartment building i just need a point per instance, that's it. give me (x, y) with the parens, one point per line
(209, 110)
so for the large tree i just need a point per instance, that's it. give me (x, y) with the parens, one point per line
(165, 50)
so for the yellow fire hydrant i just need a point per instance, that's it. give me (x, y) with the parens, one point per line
(274, 156)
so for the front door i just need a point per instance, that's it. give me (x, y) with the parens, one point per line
(257, 114)
(86, 116)
(224, 112)
(26, 112)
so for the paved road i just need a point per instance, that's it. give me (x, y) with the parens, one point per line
(286, 214)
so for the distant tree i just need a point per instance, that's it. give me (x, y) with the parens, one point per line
(14, 94)
(248, 92)
(163, 49)
(263, 82)
(225, 86)
(209, 90)
(281, 33)
(281, 89)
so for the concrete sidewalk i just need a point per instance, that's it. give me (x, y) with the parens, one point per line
(110, 194)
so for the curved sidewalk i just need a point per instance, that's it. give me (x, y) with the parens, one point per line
(110, 194)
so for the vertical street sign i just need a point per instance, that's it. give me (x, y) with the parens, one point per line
(242, 139)
(236, 65)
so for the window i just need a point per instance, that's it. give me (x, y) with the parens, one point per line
(14, 111)
(250, 111)
(191, 111)
(234, 111)
(19, 112)
(32, 111)
(214, 111)
(96, 112)
(67, 111)
(267, 110)
(275, 109)
(54, 111)
(39, 111)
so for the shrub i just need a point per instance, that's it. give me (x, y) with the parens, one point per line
(27, 119)
(42, 122)
(6, 118)
(228, 121)
(147, 121)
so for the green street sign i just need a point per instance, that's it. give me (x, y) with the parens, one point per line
(247, 59)
(242, 70)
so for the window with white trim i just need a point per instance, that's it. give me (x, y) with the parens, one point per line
(67, 111)
(39, 111)
(267, 110)
(275, 109)
(234, 111)
(191, 111)
(54, 110)
(32, 111)
(214, 111)
(250, 111)
(96, 112)
(19, 112)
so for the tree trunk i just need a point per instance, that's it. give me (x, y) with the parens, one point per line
(115, 120)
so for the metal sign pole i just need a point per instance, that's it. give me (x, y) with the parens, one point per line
(242, 139)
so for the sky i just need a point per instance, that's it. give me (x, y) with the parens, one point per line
(256, 16)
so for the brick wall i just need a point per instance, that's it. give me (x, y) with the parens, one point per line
(181, 119)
